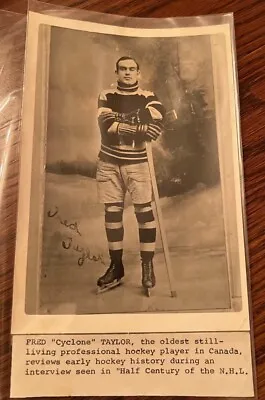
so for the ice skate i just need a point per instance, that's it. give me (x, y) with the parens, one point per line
(148, 277)
(112, 277)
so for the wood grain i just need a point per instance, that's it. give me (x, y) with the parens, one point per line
(250, 43)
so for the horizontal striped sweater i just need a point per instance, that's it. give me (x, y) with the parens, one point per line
(128, 117)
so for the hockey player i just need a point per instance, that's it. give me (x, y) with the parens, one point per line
(128, 117)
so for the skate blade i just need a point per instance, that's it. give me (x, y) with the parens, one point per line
(147, 291)
(106, 288)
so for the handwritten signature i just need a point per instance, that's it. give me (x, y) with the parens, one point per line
(85, 253)
(69, 243)
(73, 226)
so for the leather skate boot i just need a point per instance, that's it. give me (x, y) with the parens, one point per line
(148, 275)
(112, 276)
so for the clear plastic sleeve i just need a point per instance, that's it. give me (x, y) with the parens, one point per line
(125, 21)
(12, 46)
(198, 164)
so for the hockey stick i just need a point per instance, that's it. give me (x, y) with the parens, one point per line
(160, 219)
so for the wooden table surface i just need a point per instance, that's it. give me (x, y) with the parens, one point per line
(250, 42)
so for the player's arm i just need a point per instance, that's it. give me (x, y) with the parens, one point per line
(149, 121)
(145, 124)
(107, 118)
(143, 132)
(153, 112)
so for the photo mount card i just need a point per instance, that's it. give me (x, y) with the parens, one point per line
(131, 241)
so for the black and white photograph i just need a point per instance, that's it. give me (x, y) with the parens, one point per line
(133, 191)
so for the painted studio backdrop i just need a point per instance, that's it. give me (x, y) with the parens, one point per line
(74, 246)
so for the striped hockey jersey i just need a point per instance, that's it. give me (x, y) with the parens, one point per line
(128, 117)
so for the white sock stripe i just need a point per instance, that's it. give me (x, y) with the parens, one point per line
(147, 225)
(115, 245)
(113, 225)
(147, 246)
(114, 209)
(140, 210)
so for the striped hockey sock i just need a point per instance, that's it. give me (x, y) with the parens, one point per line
(114, 230)
(147, 230)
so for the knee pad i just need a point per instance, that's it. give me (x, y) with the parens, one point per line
(144, 213)
(114, 212)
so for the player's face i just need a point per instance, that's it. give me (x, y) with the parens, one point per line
(127, 72)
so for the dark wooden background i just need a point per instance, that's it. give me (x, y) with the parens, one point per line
(250, 42)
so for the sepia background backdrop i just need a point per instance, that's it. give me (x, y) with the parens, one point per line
(179, 70)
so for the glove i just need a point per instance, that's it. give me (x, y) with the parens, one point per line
(153, 131)
(140, 131)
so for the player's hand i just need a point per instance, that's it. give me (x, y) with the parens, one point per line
(153, 131)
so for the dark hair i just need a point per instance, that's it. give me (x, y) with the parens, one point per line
(126, 58)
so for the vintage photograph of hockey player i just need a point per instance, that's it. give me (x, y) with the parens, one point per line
(130, 215)
(133, 214)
